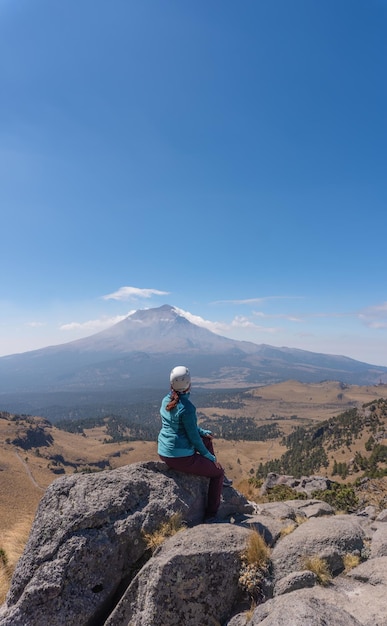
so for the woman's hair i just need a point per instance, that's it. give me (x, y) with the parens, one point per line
(174, 399)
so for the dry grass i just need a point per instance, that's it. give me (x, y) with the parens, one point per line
(287, 530)
(249, 614)
(318, 566)
(350, 561)
(12, 544)
(257, 551)
(248, 490)
(172, 526)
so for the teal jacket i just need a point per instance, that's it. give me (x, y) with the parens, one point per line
(180, 434)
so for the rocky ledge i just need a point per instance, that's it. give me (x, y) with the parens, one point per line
(87, 561)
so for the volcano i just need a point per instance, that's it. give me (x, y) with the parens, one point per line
(139, 352)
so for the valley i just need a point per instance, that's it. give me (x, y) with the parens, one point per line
(34, 452)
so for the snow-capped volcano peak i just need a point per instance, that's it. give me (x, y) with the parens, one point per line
(140, 350)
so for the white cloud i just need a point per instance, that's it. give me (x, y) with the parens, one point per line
(35, 324)
(224, 327)
(244, 322)
(94, 325)
(215, 327)
(128, 293)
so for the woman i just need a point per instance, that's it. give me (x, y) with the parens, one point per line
(183, 445)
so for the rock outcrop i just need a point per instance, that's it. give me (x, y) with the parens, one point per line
(305, 485)
(34, 436)
(87, 561)
(329, 538)
(87, 540)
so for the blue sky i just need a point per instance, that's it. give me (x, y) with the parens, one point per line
(227, 158)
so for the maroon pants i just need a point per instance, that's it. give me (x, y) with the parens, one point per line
(199, 465)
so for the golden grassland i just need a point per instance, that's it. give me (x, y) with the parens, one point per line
(25, 474)
(301, 402)
(12, 543)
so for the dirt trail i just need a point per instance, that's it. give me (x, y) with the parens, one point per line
(29, 473)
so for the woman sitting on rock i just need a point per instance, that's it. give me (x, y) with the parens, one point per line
(183, 445)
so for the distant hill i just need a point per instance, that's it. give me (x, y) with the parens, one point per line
(139, 352)
(352, 443)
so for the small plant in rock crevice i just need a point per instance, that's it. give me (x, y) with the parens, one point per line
(287, 530)
(255, 566)
(350, 561)
(168, 528)
(318, 566)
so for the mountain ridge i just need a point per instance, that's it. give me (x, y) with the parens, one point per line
(140, 350)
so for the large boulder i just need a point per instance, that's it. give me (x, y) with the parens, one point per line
(294, 509)
(296, 610)
(379, 541)
(87, 538)
(329, 538)
(373, 571)
(305, 485)
(88, 560)
(296, 580)
(358, 596)
(312, 508)
(273, 519)
(191, 580)
(278, 510)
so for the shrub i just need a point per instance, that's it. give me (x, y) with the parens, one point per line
(284, 492)
(340, 497)
(256, 482)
